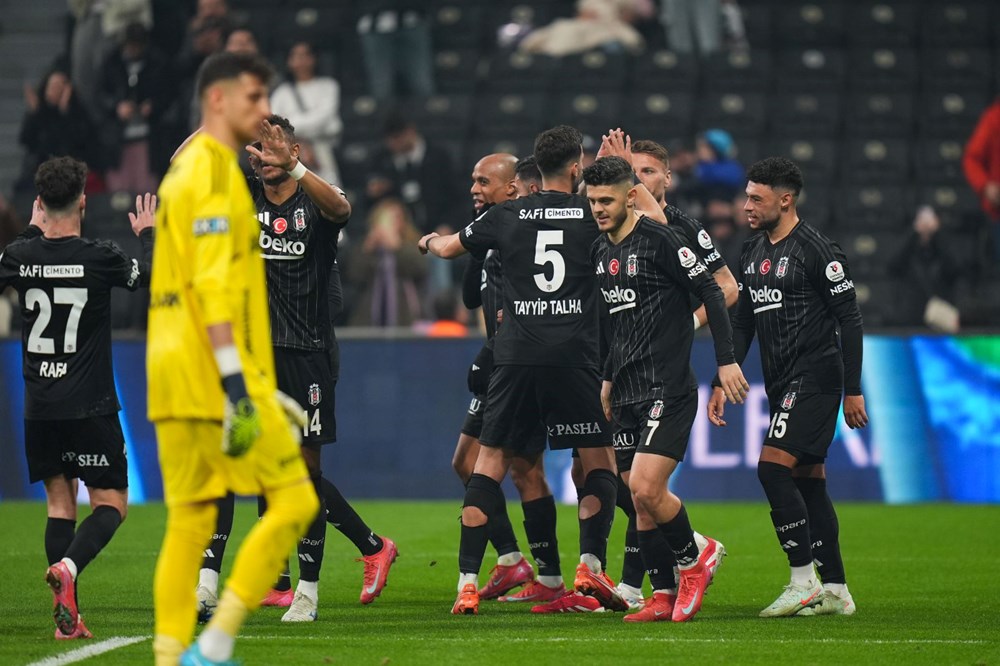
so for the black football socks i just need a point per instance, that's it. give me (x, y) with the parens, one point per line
(824, 530)
(540, 528)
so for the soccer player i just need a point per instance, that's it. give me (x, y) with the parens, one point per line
(220, 423)
(71, 427)
(527, 177)
(798, 296)
(492, 183)
(646, 272)
(545, 379)
(301, 217)
(651, 164)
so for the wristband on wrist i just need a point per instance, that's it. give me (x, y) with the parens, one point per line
(697, 322)
(228, 360)
(299, 171)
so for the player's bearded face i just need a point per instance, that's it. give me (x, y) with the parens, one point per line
(762, 207)
(652, 173)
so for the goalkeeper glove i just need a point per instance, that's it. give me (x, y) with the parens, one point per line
(240, 422)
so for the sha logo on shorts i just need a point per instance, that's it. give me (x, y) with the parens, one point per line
(315, 395)
(656, 411)
(788, 401)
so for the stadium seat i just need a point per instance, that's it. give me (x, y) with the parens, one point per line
(883, 69)
(758, 23)
(456, 71)
(458, 25)
(319, 24)
(509, 113)
(954, 113)
(876, 160)
(741, 114)
(442, 115)
(659, 115)
(519, 146)
(956, 23)
(737, 71)
(592, 114)
(953, 201)
(956, 68)
(748, 150)
(868, 207)
(877, 300)
(593, 71)
(872, 114)
(882, 23)
(810, 69)
(817, 157)
(868, 252)
(519, 72)
(938, 159)
(362, 117)
(805, 114)
(809, 23)
(664, 72)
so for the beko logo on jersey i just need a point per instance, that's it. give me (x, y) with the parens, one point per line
(846, 285)
(574, 429)
(622, 299)
(772, 298)
(62, 271)
(281, 246)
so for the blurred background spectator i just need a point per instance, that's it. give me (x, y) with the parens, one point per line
(56, 124)
(396, 41)
(135, 91)
(926, 273)
(981, 163)
(388, 269)
(720, 176)
(450, 316)
(241, 40)
(312, 104)
(597, 24)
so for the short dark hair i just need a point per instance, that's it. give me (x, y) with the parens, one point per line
(60, 181)
(284, 124)
(527, 170)
(224, 66)
(608, 171)
(557, 147)
(777, 172)
(653, 149)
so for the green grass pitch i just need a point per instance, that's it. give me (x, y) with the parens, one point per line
(924, 577)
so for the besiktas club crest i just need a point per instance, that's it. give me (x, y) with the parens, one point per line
(656, 411)
(299, 217)
(315, 395)
(632, 265)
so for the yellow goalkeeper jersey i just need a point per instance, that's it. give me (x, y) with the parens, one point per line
(207, 270)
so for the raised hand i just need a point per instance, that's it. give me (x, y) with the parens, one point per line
(275, 149)
(145, 212)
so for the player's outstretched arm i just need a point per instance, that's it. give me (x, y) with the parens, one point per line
(617, 143)
(143, 221)
(446, 247)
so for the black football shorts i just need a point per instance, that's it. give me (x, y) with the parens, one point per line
(661, 427)
(90, 449)
(804, 424)
(307, 377)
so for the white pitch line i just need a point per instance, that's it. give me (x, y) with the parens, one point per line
(89, 651)
(668, 639)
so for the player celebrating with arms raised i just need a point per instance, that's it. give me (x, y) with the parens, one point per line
(796, 293)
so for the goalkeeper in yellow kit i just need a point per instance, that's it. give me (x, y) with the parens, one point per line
(220, 423)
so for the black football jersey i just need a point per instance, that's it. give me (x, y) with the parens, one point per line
(550, 313)
(491, 291)
(698, 238)
(793, 295)
(299, 247)
(646, 282)
(64, 290)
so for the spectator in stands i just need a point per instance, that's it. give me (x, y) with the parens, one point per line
(135, 90)
(419, 173)
(597, 24)
(241, 40)
(926, 272)
(450, 316)
(396, 41)
(388, 269)
(312, 104)
(720, 175)
(705, 22)
(56, 124)
(981, 163)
